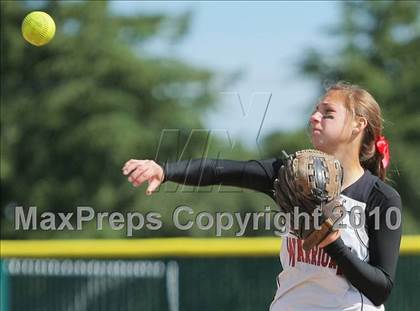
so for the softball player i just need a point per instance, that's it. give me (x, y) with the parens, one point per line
(353, 268)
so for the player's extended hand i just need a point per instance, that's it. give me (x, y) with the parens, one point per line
(138, 171)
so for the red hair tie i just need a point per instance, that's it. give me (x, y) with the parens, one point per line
(382, 146)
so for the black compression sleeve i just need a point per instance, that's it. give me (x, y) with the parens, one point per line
(253, 174)
(376, 278)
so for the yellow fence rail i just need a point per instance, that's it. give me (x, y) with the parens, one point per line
(162, 247)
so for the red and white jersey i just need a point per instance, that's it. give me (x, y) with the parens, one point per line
(311, 280)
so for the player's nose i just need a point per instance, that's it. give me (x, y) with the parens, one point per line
(315, 118)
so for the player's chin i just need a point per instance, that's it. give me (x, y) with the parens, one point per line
(319, 142)
(316, 140)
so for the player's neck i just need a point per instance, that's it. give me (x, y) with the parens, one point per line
(351, 166)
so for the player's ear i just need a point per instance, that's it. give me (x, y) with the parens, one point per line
(359, 125)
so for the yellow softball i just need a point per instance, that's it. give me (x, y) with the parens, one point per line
(38, 28)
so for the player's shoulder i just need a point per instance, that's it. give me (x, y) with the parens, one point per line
(383, 193)
(386, 190)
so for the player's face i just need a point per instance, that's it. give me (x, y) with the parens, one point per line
(329, 123)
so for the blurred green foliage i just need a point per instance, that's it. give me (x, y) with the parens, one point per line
(73, 111)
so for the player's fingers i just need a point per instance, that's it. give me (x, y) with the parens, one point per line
(127, 163)
(138, 172)
(131, 165)
(128, 167)
(153, 184)
(330, 238)
(135, 183)
(143, 177)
